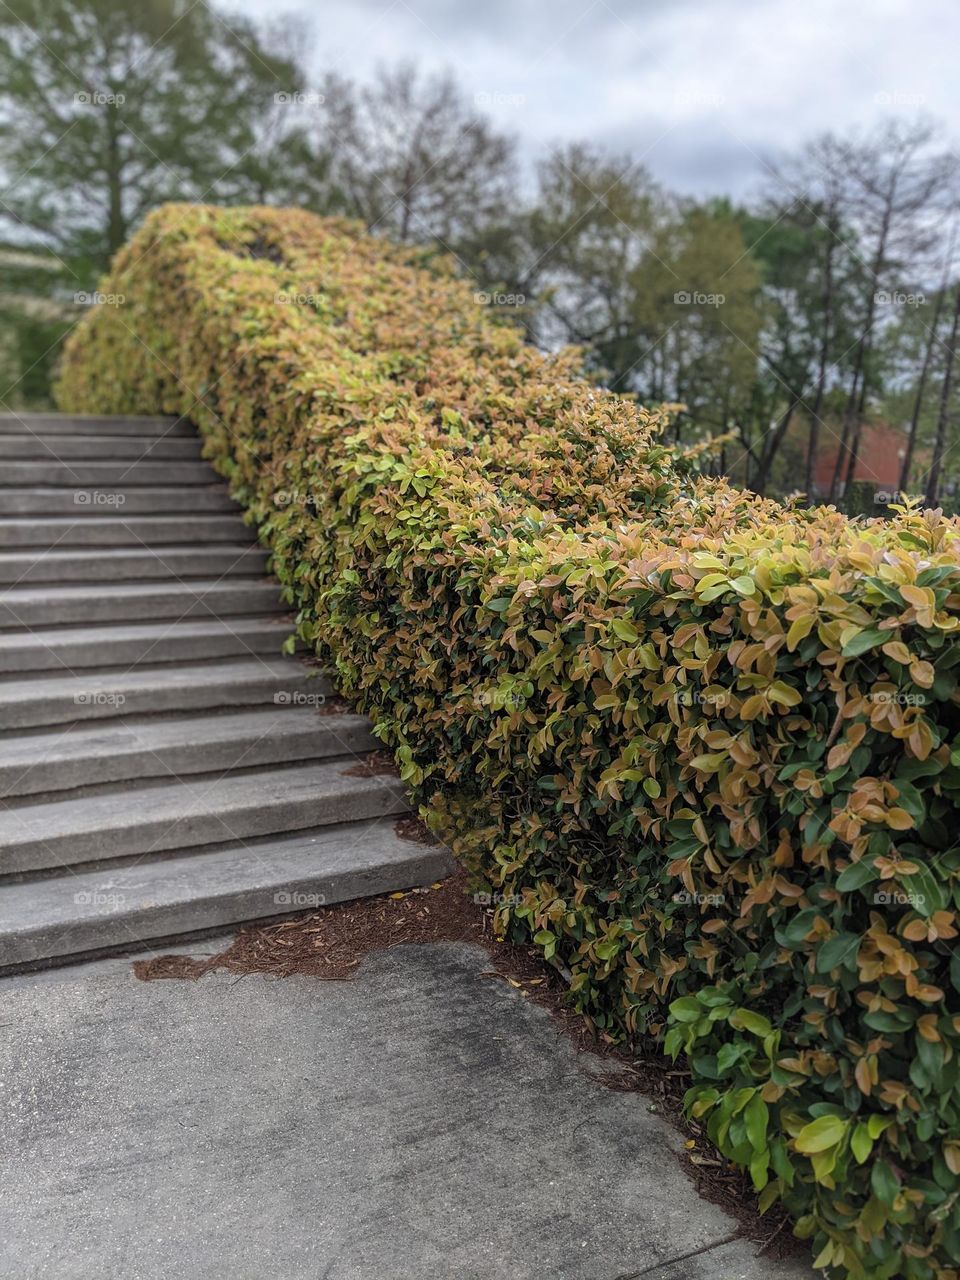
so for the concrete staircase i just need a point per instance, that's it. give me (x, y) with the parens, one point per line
(164, 770)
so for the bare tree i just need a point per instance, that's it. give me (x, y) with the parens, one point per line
(823, 178)
(943, 417)
(414, 159)
(928, 350)
(897, 188)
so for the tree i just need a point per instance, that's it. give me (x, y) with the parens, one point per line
(895, 188)
(926, 364)
(809, 254)
(415, 161)
(661, 293)
(943, 416)
(709, 318)
(591, 229)
(109, 108)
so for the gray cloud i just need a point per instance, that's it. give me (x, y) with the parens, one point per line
(703, 88)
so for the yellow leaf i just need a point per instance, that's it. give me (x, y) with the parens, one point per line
(800, 629)
(922, 673)
(899, 819)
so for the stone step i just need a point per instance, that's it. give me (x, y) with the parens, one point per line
(120, 530)
(102, 695)
(176, 745)
(95, 424)
(158, 745)
(31, 445)
(131, 564)
(85, 474)
(187, 813)
(83, 501)
(52, 918)
(63, 649)
(136, 602)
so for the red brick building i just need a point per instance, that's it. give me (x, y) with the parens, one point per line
(880, 457)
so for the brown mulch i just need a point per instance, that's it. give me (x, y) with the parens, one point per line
(374, 765)
(331, 943)
(333, 706)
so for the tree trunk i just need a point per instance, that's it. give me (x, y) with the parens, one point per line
(925, 367)
(775, 440)
(814, 440)
(918, 398)
(933, 477)
(841, 452)
(116, 224)
(863, 346)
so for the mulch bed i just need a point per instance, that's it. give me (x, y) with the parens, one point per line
(375, 764)
(332, 942)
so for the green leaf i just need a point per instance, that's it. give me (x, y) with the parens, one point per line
(747, 1020)
(877, 1125)
(756, 1117)
(836, 951)
(624, 630)
(759, 1166)
(821, 1134)
(856, 875)
(861, 1144)
(686, 1009)
(864, 640)
(884, 1182)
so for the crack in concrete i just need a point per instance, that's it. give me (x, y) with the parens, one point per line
(682, 1257)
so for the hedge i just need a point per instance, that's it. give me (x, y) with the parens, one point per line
(704, 746)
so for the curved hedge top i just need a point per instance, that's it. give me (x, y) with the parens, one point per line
(706, 746)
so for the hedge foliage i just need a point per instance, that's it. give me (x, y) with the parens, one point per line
(704, 745)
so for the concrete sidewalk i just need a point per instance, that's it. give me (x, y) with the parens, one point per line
(421, 1122)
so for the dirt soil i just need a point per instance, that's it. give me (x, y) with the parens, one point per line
(330, 944)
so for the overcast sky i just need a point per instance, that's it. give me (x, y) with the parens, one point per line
(704, 90)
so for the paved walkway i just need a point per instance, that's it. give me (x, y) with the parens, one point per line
(421, 1122)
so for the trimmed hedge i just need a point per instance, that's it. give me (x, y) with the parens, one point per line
(705, 746)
